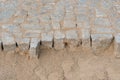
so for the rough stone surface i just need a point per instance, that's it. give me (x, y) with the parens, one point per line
(57, 21)
(59, 40)
(47, 39)
(85, 38)
(71, 34)
(34, 47)
(101, 42)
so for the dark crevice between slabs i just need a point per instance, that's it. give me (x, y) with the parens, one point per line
(53, 43)
(2, 47)
(16, 44)
(66, 44)
(90, 41)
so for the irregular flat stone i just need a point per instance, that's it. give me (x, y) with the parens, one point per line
(31, 27)
(59, 35)
(102, 30)
(100, 42)
(72, 38)
(59, 40)
(85, 38)
(100, 13)
(104, 22)
(55, 25)
(59, 44)
(68, 24)
(71, 34)
(8, 41)
(45, 18)
(34, 47)
(31, 34)
(47, 39)
(117, 45)
(23, 44)
(11, 28)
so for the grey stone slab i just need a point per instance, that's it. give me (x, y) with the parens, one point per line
(24, 44)
(100, 42)
(102, 30)
(59, 35)
(71, 34)
(69, 24)
(72, 39)
(34, 47)
(85, 35)
(55, 25)
(12, 28)
(104, 22)
(31, 34)
(47, 39)
(31, 27)
(59, 44)
(8, 41)
(59, 40)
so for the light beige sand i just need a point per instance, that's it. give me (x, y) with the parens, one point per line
(67, 64)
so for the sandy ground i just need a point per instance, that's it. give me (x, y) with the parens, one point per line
(67, 64)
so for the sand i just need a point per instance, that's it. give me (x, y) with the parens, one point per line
(67, 64)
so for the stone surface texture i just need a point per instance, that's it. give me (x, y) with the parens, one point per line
(54, 22)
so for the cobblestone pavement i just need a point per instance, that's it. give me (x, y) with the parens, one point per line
(27, 27)
(28, 24)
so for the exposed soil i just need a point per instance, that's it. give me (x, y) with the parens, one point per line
(67, 64)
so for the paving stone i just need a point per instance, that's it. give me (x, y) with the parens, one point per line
(106, 5)
(56, 25)
(100, 42)
(47, 27)
(30, 35)
(58, 13)
(117, 45)
(102, 30)
(100, 13)
(59, 35)
(31, 27)
(11, 28)
(68, 24)
(82, 18)
(85, 35)
(59, 44)
(45, 18)
(18, 20)
(81, 10)
(23, 44)
(68, 6)
(72, 38)
(8, 41)
(47, 1)
(69, 16)
(47, 39)
(34, 47)
(102, 22)
(34, 20)
(59, 40)
(71, 34)
(6, 14)
(117, 25)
